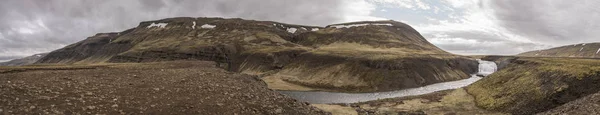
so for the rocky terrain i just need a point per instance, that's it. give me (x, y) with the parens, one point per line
(24, 61)
(350, 57)
(531, 85)
(182, 87)
(585, 50)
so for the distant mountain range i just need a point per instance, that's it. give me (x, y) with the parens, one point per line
(585, 50)
(24, 61)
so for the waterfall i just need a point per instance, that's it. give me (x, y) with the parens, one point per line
(486, 67)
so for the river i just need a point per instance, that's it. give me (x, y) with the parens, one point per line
(320, 97)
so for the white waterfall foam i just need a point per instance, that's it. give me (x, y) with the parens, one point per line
(486, 67)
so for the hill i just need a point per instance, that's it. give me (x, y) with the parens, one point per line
(350, 57)
(585, 50)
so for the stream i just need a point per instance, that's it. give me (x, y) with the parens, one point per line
(320, 97)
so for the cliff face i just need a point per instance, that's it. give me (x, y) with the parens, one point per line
(532, 85)
(354, 57)
(586, 50)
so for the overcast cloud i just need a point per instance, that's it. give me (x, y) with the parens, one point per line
(463, 27)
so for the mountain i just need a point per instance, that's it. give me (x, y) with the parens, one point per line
(24, 61)
(350, 57)
(585, 50)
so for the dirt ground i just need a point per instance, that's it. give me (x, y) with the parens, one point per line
(182, 87)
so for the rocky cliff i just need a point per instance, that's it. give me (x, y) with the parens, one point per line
(585, 50)
(352, 57)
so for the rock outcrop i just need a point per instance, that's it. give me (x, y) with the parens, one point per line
(532, 85)
(585, 50)
(350, 57)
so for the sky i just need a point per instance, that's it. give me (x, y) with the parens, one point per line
(467, 27)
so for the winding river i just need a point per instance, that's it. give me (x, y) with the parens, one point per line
(318, 97)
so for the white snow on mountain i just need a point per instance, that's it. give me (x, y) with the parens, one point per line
(358, 25)
(194, 26)
(160, 25)
(208, 26)
(292, 30)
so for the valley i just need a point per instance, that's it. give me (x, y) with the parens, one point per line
(235, 66)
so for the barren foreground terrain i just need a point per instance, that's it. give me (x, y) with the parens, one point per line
(183, 87)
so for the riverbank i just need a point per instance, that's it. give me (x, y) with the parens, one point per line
(320, 97)
(453, 102)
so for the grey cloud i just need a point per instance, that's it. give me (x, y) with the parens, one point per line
(478, 43)
(33, 26)
(555, 22)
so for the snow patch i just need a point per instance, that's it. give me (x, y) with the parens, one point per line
(581, 49)
(160, 25)
(315, 29)
(208, 26)
(194, 26)
(583, 44)
(598, 51)
(358, 25)
(292, 30)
